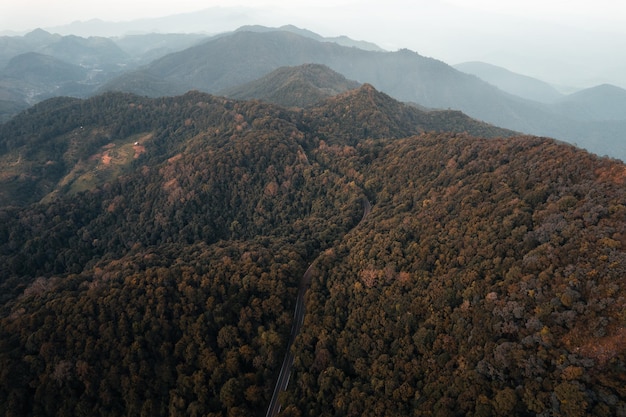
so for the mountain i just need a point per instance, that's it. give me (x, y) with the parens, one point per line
(147, 47)
(90, 52)
(340, 40)
(246, 56)
(363, 113)
(36, 77)
(11, 103)
(301, 86)
(57, 146)
(159, 273)
(227, 61)
(12, 46)
(516, 84)
(143, 83)
(40, 65)
(601, 103)
(43, 69)
(96, 52)
(31, 77)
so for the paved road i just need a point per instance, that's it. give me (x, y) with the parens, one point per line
(298, 319)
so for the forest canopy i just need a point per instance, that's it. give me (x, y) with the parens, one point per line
(487, 279)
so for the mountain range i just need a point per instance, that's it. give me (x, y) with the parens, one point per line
(55, 147)
(156, 65)
(405, 75)
(41, 65)
(151, 251)
(519, 85)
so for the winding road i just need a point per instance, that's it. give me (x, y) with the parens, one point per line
(298, 319)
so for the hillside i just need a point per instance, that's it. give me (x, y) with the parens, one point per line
(33, 77)
(465, 291)
(516, 84)
(339, 40)
(40, 65)
(65, 145)
(301, 86)
(488, 278)
(147, 47)
(601, 103)
(38, 68)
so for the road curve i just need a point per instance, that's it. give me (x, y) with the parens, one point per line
(298, 319)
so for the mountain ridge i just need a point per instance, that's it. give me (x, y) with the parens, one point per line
(604, 102)
(340, 40)
(245, 56)
(516, 84)
(61, 140)
(403, 74)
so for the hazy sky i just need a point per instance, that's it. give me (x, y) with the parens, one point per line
(566, 41)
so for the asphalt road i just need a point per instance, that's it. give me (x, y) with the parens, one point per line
(298, 319)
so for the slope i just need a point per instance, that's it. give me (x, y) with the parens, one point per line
(601, 103)
(367, 113)
(212, 227)
(487, 279)
(301, 86)
(466, 291)
(64, 146)
(516, 84)
(41, 69)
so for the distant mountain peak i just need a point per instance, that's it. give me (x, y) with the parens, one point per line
(367, 92)
(339, 40)
(37, 33)
(366, 112)
(511, 82)
(600, 103)
(299, 86)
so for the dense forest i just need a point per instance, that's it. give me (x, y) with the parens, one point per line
(151, 251)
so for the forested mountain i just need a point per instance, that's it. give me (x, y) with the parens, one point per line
(227, 61)
(301, 86)
(158, 275)
(67, 145)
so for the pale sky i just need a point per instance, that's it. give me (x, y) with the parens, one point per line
(22, 15)
(557, 40)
